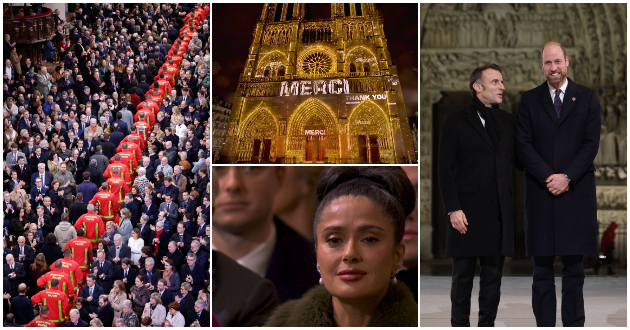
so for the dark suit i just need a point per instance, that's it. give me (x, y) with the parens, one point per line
(125, 252)
(109, 149)
(81, 323)
(152, 211)
(548, 144)
(48, 177)
(116, 136)
(240, 297)
(197, 274)
(28, 255)
(187, 239)
(204, 318)
(77, 209)
(475, 177)
(119, 274)
(155, 275)
(22, 308)
(18, 279)
(178, 259)
(9, 213)
(106, 315)
(108, 270)
(23, 174)
(167, 297)
(187, 304)
(93, 305)
(96, 177)
(145, 233)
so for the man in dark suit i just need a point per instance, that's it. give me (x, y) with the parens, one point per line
(109, 149)
(75, 320)
(117, 134)
(126, 274)
(475, 164)
(118, 252)
(42, 173)
(557, 135)
(22, 306)
(96, 176)
(53, 211)
(150, 273)
(91, 292)
(105, 312)
(149, 209)
(104, 272)
(23, 253)
(200, 314)
(165, 294)
(182, 239)
(241, 298)
(193, 273)
(175, 255)
(77, 209)
(14, 271)
(292, 264)
(8, 206)
(23, 171)
(43, 222)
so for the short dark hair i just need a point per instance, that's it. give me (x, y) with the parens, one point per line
(475, 76)
(389, 188)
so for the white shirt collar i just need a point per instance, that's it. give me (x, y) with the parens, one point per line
(563, 88)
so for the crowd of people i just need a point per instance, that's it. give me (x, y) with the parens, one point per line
(106, 174)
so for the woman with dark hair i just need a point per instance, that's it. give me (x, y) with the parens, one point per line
(139, 294)
(51, 250)
(358, 230)
(20, 223)
(56, 193)
(171, 276)
(38, 269)
(159, 182)
(101, 246)
(53, 157)
(83, 312)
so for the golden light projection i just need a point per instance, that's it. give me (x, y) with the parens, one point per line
(361, 59)
(368, 119)
(259, 125)
(318, 91)
(311, 112)
(317, 61)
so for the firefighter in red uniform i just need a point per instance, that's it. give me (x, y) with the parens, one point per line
(143, 129)
(71, 267)
(164, 84)
(157, 93)
(149, 104)
(108, 205)
(135, 137)
(127, 157)
(65, 281)
(81, 251)
(145, 115)
(124, 172)
(132, 146)
(92, 224)
(57, 303)
(118, 186)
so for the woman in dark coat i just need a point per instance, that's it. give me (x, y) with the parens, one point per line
(84, 314)
(51, 250)
(56, 194)
(361, 215)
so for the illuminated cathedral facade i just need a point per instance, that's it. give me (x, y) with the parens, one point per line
(319, 91)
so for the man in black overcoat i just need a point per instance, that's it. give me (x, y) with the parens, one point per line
(557, 138)
(474, 171)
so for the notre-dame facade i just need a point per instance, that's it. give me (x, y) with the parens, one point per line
(456, 38)
(319, 91)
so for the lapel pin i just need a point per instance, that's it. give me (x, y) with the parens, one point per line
(573, 99)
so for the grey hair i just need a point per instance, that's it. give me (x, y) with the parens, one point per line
(149, 260)
(118, 236)
(76, 311)
(126, 302)
(196, 243)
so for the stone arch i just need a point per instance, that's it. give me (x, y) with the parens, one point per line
(273, 60)
(359, 56)
(311, 112)
(260, 124)
(379, 124)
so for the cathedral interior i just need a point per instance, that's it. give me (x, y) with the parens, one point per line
(319, 90)
(456, 38)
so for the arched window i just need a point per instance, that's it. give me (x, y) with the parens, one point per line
(353, 68)
(281, 71)
(366, 66)
(266, 73)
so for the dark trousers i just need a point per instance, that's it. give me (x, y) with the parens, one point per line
(489, 289)
(544, 291)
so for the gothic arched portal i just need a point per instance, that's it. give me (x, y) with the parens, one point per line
(370, 122)
(313, 115)
(257, 138)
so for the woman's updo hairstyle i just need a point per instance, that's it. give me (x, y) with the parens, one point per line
(387, 187)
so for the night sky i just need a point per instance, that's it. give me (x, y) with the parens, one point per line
(232, 33)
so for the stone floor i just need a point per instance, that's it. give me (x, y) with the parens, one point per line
(605, 301)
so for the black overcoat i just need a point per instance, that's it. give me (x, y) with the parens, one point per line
(475, 177)
(565, 224)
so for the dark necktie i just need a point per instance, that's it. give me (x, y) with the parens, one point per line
(126, 271)
(557, 103)
(181, 238)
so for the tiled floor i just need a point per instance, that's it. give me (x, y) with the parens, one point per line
(605, 301)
